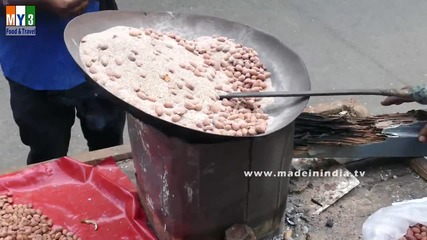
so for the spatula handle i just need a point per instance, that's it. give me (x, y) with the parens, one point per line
(377, 92)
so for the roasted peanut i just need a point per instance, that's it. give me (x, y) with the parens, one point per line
(159, 111)
(168, 105)
(23, 222)
(176, 118)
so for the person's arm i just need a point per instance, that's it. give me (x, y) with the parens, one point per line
(64, 8)
(26, 2)
(39, 3)
(107, 5)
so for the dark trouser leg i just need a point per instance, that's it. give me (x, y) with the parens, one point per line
(102, 121)
(44, 124)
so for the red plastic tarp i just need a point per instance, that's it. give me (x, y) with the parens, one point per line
(68, 191)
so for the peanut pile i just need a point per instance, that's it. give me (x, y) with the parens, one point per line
(23, 222)
(416, 232)
(180, 80)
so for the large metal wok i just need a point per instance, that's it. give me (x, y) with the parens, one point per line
(288, 71)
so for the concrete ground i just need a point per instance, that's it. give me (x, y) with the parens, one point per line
(384, 182)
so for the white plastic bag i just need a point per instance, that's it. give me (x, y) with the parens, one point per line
(391, 223)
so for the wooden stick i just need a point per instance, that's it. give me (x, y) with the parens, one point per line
(119, 153)
(419, 165)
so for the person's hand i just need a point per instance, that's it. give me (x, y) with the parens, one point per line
(66, 8)
(397, 100)
(423, 135)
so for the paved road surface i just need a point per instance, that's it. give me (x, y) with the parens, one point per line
(345, 44)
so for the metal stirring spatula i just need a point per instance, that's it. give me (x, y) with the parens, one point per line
(416, 94)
